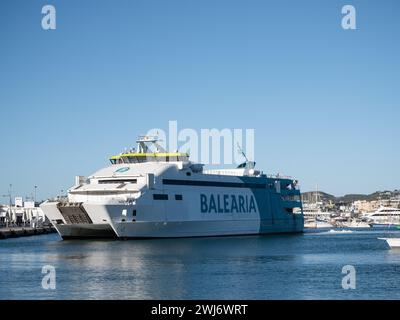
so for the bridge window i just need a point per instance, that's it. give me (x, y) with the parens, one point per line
(158, 196)
(118, 181)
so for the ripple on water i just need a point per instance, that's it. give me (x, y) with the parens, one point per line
(305, 266)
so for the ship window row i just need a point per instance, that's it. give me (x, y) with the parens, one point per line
(141, 159)
(117, 181)
(160, 196)
(214, 184)
(294, 197)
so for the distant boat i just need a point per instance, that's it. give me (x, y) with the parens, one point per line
(392, 242)
(317, 224)
(383, 217)
(355, 224)
(314, 216)
(312, 212)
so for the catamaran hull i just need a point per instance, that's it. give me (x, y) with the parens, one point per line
(68, 230)
(85, 231)
(165, 229)
(174, 229)
(176, 207)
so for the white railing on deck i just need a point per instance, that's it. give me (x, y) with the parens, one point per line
(278, 176)
(224, 172)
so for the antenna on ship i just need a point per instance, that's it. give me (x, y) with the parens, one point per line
(157, 143)
(248, 164)
(154, 140)
(242, 152)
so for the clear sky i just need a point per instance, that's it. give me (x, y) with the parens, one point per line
(324, 101)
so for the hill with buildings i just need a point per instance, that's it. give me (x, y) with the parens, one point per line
(311, 196)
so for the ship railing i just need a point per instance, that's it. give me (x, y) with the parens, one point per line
(278, 176)
(223, 172)
(61, 199)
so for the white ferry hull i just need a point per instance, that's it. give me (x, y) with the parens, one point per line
(197, 229)
(392, 242)
(69, 230)
(261, 212)
(83, 231)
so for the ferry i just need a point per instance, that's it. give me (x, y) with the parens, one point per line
(150, 193)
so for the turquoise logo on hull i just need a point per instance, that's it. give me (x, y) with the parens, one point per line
(121, 170)
(227, 203)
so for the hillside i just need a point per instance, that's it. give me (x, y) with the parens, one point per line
(348, 198)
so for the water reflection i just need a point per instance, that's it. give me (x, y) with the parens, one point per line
(304, 266)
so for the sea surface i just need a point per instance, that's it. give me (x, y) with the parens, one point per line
(303, 266)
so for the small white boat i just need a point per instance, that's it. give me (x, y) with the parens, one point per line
(392, 242)
(317, 224)
(356, 224)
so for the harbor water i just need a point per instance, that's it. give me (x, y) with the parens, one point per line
(302, 266)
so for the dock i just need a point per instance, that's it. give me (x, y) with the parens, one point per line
(16, 232)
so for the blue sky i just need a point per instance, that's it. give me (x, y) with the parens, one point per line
(324, 102)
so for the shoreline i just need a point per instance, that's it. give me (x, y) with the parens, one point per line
(16, 232)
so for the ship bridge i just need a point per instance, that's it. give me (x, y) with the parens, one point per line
(149, 157)
(148, 150)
